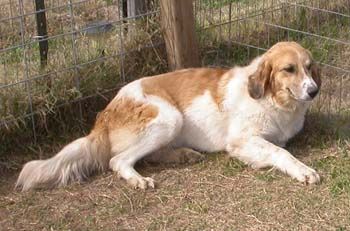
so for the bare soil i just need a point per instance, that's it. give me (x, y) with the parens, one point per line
(218, 193)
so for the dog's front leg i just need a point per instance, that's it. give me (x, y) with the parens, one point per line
(259, 153)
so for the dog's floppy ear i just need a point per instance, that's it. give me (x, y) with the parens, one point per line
(258, 81)
(316, 74)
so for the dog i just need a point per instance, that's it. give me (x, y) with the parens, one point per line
(250, 112)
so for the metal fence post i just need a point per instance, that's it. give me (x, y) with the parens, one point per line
(42, 31)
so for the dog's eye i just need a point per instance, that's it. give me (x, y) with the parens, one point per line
(290, 69)
(308, 67)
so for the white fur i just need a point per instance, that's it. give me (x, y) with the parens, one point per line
(132, 90)
(74, 162)
(251, 130)
(204, 126)
(158, 133)
(306, 84)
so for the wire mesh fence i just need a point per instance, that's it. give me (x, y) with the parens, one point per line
(96, 46)
(91, 49)
(240, 30)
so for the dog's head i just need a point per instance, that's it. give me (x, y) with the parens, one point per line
(287, 73)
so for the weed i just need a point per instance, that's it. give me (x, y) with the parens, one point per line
(267, 176)
(232, 167)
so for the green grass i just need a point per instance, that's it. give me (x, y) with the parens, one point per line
(266, 176)
(217, 193)
(217, 48)
(232, 167)
(338, 171)
(61, 87)
(194, 197)
(220, 3)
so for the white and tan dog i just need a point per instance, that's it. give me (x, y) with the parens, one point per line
(250, 112)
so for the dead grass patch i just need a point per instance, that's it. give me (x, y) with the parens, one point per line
(216, 194)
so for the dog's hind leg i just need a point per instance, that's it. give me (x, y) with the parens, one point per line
(170, 155)
(158, 133)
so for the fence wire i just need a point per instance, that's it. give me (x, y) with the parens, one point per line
(240, 30)
(93, 47)
(96, 46)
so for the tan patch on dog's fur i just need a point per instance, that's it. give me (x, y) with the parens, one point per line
(271, 79)
(181, 87)
(122, 120)
(126, 113)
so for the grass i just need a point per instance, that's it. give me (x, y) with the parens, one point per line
(71, 74)
(218, 193)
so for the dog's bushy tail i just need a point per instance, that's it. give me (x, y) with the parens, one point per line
(74, 162)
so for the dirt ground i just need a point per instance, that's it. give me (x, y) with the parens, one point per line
(216, 194)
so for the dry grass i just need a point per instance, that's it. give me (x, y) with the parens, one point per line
(57, 87)
(100, 59)
(216, 194)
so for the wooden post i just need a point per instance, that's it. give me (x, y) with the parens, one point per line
(42, 31)
(136, 7)
(132, 8)
(125, 8)
(178, 26)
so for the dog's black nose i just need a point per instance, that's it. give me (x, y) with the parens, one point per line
(312, 91)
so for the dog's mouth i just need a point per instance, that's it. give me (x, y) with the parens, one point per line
(291, 93)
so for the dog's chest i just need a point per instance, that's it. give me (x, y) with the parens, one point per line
(251, 119)
(205, 126)
(279, 127)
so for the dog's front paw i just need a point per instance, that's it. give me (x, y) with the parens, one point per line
(307, 175)
(141, 182)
